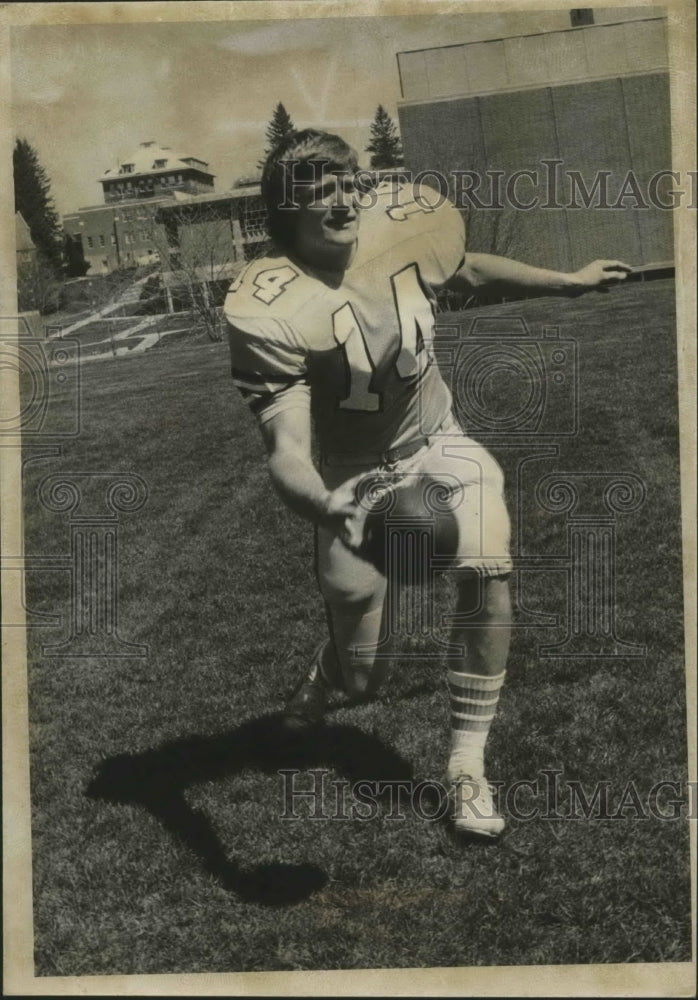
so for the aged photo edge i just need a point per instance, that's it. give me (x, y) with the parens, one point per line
(592, 980)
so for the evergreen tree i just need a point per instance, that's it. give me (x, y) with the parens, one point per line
(278, 128)
(385, 145)
(33, 199)
(75, 264)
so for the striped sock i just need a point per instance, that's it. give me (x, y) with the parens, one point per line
(474, 700)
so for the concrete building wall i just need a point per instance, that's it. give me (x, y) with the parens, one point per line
(617, 125)
(587, 97)
(584, 53)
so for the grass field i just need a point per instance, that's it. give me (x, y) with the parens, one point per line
(158, 841)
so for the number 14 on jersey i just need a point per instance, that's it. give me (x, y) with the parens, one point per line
(415, 318)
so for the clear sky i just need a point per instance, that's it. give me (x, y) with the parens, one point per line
(86, 95)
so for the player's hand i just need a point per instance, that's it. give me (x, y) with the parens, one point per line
(343, 515)
(599, 276)
(347, 509)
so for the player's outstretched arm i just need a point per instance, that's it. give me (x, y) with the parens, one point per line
(493, 275)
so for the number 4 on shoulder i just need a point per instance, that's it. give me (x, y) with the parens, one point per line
(271, 283)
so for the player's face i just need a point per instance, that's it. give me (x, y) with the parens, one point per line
(328, 220)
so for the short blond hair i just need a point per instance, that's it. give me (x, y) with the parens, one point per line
(288, 161)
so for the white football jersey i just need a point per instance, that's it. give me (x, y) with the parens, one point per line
(359, 351)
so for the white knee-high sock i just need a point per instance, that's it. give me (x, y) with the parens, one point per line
(473, 700)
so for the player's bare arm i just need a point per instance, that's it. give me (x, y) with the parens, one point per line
(287, 437)
(484, 272)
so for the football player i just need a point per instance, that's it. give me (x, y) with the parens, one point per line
(334, 327)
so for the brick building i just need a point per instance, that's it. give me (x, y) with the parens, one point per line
(129, 229)
(154, 171)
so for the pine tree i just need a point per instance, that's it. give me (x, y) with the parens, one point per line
(33, 200)
(278, 128)
(385, 145)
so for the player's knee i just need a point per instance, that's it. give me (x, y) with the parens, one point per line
(482, 592)
(493, 477)
(342, 591)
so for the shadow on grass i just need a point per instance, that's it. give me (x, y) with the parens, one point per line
(157, 779)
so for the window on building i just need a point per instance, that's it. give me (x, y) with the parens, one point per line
(101, 239)
(159, 164)
(90, 242)
(113, 240)
(581, 15)
(179, 178)
(253, 217)
(127, 168)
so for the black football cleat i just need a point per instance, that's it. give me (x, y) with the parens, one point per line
(305, 707)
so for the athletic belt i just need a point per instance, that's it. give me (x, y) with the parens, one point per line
(392, 455)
